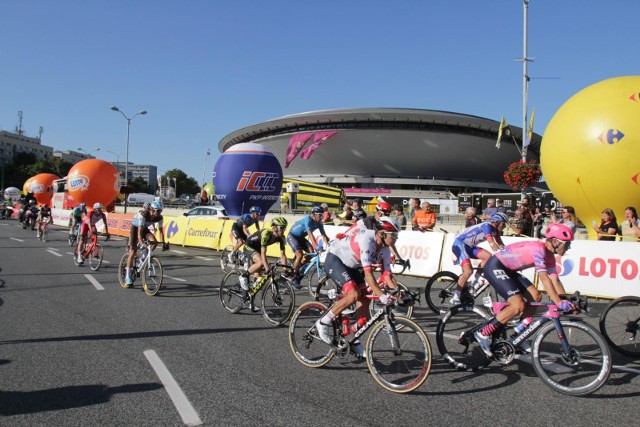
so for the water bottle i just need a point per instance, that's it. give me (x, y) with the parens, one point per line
(346, 326)
(522, 325)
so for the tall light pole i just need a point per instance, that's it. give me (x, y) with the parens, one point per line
(204, 170)
(89, 154)
(126, 165)
(117, 163)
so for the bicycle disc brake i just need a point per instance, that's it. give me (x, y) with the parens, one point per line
(342, 347)
(503, 352)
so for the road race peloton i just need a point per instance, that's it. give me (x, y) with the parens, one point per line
(89, 223)
(502, 272)
(257, 244)
(364, 249)
(297, 239)
(240, 229)
(465, 248)
(142, 229)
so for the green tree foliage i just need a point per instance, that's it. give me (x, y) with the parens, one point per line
(27, 165)
(185, 184)
(139, 185)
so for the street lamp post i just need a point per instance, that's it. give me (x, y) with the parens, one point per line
(89, 154)
(126, 165)
(117, 163)
(204, 170)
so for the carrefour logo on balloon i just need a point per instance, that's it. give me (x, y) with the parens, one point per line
(78, 182)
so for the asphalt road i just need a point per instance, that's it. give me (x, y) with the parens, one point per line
(77, 349)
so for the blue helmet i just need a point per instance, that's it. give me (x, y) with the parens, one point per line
(317, 210)
(255, 209)
(156, 205)
(82, 205)
(499, 217)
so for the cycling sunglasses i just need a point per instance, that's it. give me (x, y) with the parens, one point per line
(393, 234)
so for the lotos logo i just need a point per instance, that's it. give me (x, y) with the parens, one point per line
(37, 188)
(564, 268)
(257, 181)
(79, 182)
(611, 136)
(172, 229)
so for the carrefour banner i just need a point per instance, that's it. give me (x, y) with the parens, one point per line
(204, 233)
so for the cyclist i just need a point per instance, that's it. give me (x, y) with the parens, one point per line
(89, 223)
(345, 257)
(502, 272)
(297, 239)
(44, 216)
(258, 243)
(240, 229)
(465, 248)
(142, 229)
(77, 214)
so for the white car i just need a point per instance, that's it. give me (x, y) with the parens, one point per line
(217, 212)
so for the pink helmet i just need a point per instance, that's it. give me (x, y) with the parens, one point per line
(559, 231)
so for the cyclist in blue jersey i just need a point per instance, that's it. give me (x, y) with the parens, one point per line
(76, 217)
(465, 247)
(297, 239)
(240, 229)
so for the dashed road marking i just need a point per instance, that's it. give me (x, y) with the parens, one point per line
(204, 258)
(53, 252)
(178, 252)
(16, 239)
(175, 278)
(94, 282)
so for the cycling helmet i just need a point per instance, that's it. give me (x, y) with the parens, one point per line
(83, 205)
(386, 223)
(146, 205)
(279, 222)
(317, 210)
(97, 206)
(384, 208)
(499, 217)
(255, 209)
(559, 231)
(156, 205)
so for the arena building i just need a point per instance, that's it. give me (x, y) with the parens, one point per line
(393, 148)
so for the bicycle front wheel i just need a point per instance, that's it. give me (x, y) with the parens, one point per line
(232, 296)
(122, 269)
(306, 345)
(455, 340)
(619, 323)
(72, 239)
(225, 264)
(314, 279)
(398, 310)
(439, 290)
(45, 232)
(581, 372)
(401, 365)
(95, 257)
(152, 276)
(278, 301)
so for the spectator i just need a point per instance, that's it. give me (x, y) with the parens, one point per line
(399, 212)
(424, 219)
(500, 206)
(471, 217)
(415, 207)
(541, 220)
(527, 210)
(489, 210)
(568, 218)
(346, 217)
(608, 226)
(358, 212)
(284, 202)
(629, 227)
(521, 225)
(326, 217)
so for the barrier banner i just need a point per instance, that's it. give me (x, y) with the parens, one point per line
(175, 228)
(204, 233)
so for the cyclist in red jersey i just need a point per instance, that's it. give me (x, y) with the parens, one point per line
(89, 223)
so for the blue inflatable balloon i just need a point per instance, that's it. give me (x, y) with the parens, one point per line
(247, 175)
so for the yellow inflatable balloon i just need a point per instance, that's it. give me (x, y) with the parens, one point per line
(589, 154)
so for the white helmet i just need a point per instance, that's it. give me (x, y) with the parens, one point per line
(97, 206)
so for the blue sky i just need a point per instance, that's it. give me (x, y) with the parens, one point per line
(205, 68)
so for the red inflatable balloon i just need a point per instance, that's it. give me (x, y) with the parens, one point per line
(91, 181)
(41, 186)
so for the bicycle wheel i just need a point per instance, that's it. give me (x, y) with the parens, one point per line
(72, 239)
(584, 370)
(323, 287)
(317, 280)
(152, 276)
(95, 257)
(403, 366)
(619, 324)
(122, 269)
(304, 341)
(232, 296)
(454, 337)
(278, 301)
(225, 264)
(45, 232)
(439, 290)
(75, 257)
(398, 310)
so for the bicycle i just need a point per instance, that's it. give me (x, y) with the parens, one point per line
(239, 258)
(74, 232)
(397, 351)
(146, 265)
(568, 355)
(441, 287)
(43, 230)
(619, 323)
(93, 251)
(277, 300)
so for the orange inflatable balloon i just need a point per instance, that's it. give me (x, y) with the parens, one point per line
(41, 186)
(93, 181)
(26, 187)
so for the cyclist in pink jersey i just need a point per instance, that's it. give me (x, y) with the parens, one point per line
(345, 257)
(502, 272)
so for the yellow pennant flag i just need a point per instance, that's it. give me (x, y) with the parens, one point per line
(531, 125)
(503, 125)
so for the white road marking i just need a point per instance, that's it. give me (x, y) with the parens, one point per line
(175, 278)
(94, 282)
(204, 258)
(53, 252)
(178, 252)
(189, 415)
(16, 239)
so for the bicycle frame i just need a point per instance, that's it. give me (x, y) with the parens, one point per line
(90, 245)
(313, 260)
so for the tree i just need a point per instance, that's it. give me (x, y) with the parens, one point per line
(185, 184)
(139, 185)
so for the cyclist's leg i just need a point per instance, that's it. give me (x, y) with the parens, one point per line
(462, 253)
(133, 247)
(82, 240)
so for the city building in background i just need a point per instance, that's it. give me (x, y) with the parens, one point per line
(147, 172)
(13, 143)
